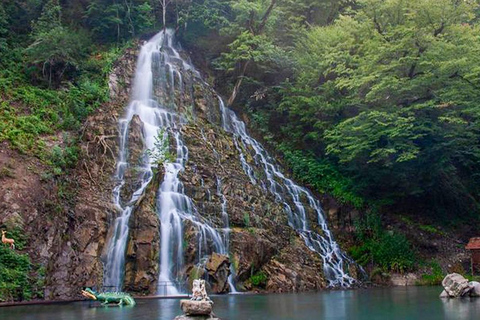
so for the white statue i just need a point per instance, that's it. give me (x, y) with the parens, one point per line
(198, 291)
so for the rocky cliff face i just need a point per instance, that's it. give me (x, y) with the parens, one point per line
(261, 242)
(76, 259)
(260, 239)
(264, 252)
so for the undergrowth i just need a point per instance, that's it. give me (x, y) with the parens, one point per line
(389, 250)
(19, 278)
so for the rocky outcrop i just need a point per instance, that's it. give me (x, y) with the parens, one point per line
(407, 279)
(141, 269)
(260, 242)
(196, 308)
(76, 240)
(218, 270)
(183, 317)
(295, 269)
(455, 286)
(136, 159)
(260, 238)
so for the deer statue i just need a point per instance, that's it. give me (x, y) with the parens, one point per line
(6, 240)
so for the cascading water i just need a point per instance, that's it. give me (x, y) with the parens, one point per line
(288, 193)
(160, 71)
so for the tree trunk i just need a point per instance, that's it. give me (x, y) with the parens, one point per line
(164, 7)
(262, 24)
(236, 88)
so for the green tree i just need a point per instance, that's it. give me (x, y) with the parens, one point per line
(390, 93)
(116, 21)
(57, 50)
(3, 30)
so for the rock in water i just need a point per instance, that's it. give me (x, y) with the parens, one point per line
(475, 288)
(444, 294)
(195, 318)
(456, 285)
(196, 308)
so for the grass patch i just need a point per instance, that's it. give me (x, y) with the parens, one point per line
(434, 278)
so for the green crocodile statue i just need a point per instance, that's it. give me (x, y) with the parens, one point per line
(120, 298)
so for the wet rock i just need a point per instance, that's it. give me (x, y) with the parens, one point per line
(135, 171)
(408, 279)
(196, 308)
(119, 82)
(475, 288)
(295, 269)
(455, 285)
(141, 265)
(183, 317)
(218, 268)
(444, 294)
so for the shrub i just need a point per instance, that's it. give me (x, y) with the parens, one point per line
(14, 279)
(259, 279)
(321, 175)
(389, 250)
(434, 278)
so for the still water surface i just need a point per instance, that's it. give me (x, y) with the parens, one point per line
(410, 303)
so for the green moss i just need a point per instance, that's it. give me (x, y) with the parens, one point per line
(321, 175)
(431, 229)
(246, 220)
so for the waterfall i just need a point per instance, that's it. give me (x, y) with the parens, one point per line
(160, 72)
(290, 195)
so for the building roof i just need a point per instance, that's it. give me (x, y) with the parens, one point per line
(473, 244)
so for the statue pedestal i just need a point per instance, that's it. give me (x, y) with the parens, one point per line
(196, 310)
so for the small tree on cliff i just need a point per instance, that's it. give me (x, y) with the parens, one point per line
(160, 153)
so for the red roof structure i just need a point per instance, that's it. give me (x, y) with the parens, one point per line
(473, 244)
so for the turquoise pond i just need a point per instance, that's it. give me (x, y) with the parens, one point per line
(378, 303)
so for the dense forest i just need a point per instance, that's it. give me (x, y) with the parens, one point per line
(371, 101)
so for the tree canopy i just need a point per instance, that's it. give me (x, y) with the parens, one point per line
(378, 96)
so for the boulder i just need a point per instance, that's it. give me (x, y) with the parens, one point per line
(455, 285)
(184, 317)
(475, 288)
(196, 308)
(218, 268)
(444, 294)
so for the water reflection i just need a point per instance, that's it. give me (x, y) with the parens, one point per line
(466, 308)
(412, 303)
